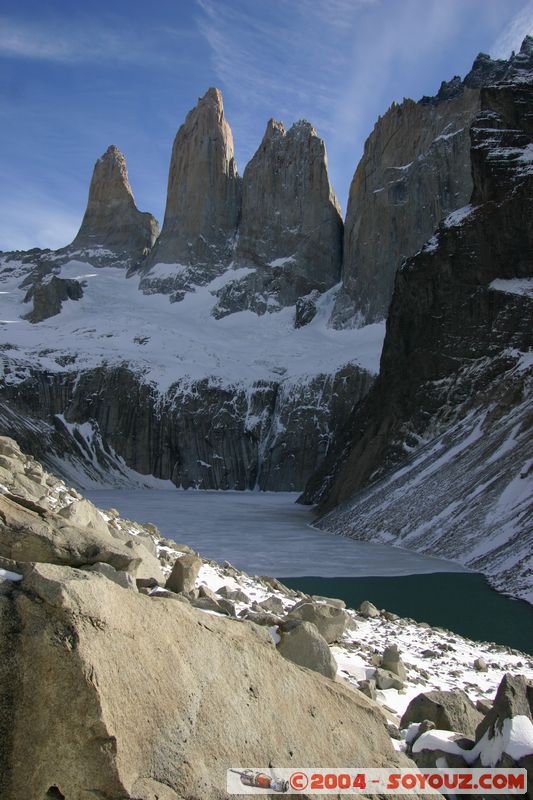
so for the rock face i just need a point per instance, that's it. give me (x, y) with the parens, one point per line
(201, 434)
(415, 170)
(203, 199)
(49, 297)
(290, 232)
(94, 724)
(453, 382)
(112, 220)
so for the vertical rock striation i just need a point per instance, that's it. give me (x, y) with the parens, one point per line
(415, 170)
(112, 220)
(291, 228)
(203, 198)
(432, 454)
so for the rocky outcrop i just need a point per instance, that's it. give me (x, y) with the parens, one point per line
(453, 382)
(203, 202)
(290, 232)
(48, 297)
(112, 220)
(96, 722)
(415, 170)
(204, 434)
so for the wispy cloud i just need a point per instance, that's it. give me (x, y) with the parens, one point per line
(513, 34)
(81, 43)
(333, 61)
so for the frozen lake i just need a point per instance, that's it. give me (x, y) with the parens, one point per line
(263, 533)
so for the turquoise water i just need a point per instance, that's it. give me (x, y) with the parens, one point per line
(461, 601)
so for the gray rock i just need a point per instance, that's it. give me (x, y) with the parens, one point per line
(330, 601)
(368, 687)
(511, 700)
(48, 298)
(262, 618)
(330, 620)
(392, 662)
(480, 665)
(97, 647)
(368, 610)
(121, 578)
(237, 595)
(387, 680)
(184, 574)
(272, 604)
(28, 536)
(306, 309)
(449, 711)
(302, 643)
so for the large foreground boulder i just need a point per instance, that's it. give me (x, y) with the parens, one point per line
(111, 694)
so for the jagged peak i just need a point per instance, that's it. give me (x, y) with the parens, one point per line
(110, 177)
(274, 128)
(303, 127)
(212, 97)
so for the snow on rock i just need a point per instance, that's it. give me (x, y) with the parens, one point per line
(515, 739)
(115, 323)
(521, 286)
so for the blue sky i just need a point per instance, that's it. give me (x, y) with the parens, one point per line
(76, 77)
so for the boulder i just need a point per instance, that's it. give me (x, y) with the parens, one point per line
(368, 610)
(184, 574)
(511, 701)
(368, 687)
(480, 665)
(142, 699)
(28, 536)
(272, 604)
(435, 748)
(84, 514)
(330, 620)
(302, 643)
(448, 710)
(387, 680)
(392, 662)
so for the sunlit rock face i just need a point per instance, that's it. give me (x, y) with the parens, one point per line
(290, 232)
(112, 221)
(415, 170)
(436, 457)
(203, 197)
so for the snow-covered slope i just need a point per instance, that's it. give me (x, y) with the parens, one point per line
(466, 494)
(235, 402)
